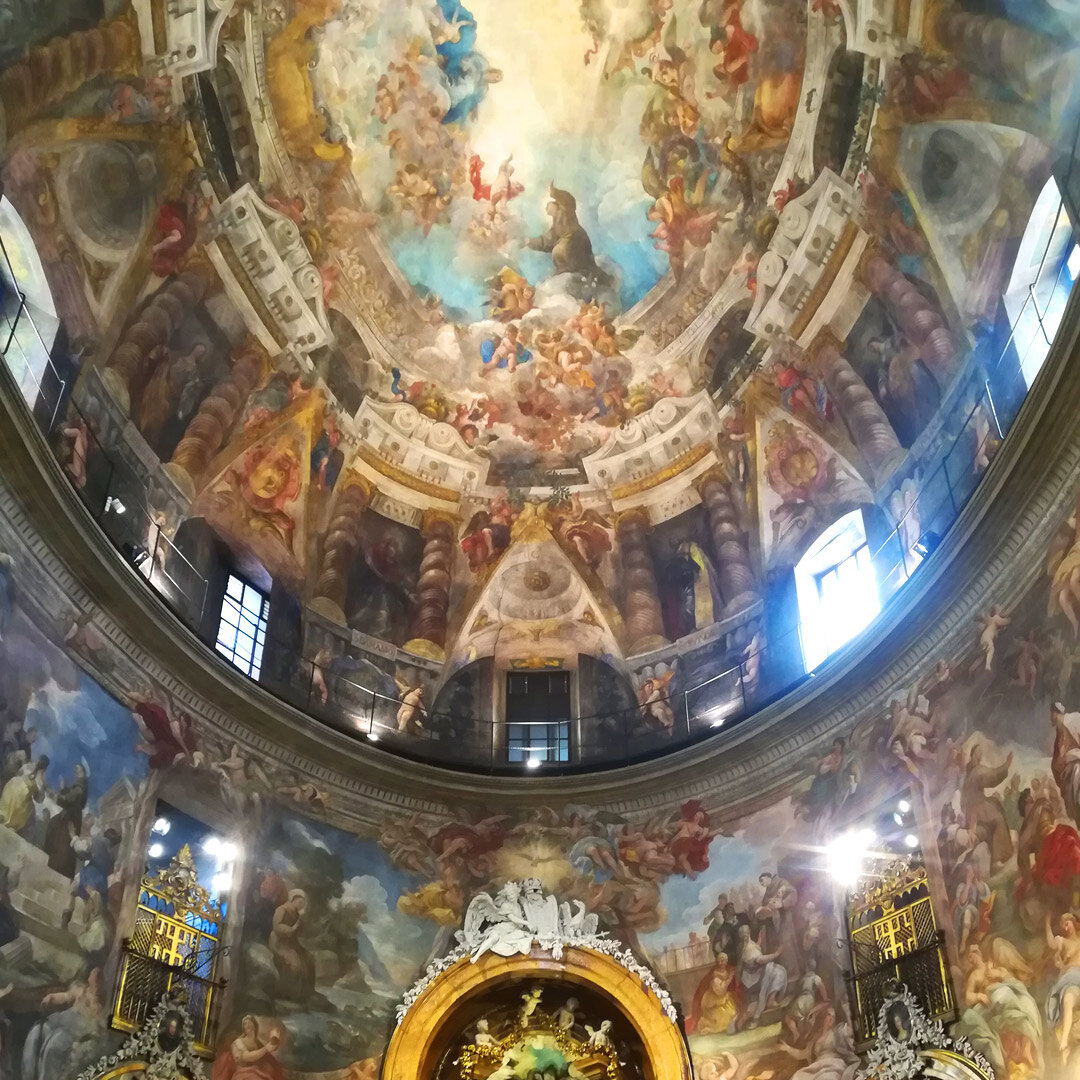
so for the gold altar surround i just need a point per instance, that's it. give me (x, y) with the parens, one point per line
(439, 1014)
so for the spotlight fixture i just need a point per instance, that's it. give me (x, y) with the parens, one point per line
(904, 806)
(135, 553)
(926, 543)
(373, 736)
(532, 763)
(911, 840)
(162, 826)
(155, 851)
(115, 505)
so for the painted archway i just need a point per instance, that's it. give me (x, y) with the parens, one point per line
(443, 1009)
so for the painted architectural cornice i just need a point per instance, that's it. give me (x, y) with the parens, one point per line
(991, 555)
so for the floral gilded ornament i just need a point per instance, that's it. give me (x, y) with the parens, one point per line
(908, 1040)
(163, 1046)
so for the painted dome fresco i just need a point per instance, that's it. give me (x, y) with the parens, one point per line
(597, 343)
(558, 188)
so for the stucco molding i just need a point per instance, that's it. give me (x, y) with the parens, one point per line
(992, 554)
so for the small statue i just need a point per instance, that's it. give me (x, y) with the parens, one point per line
(599, 1037)
(521, 914)
(532, 1000)
(483, 1036)
(566, 1017)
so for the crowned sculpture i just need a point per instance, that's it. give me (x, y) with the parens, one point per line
(519, 914)
(517, 918)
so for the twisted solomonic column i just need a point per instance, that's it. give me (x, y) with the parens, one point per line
(864, 418)
(428, 619)
(738, 584)
(207, 430)
(340, 545)
(642, 615)
(920, 321)
(49, 73)
(126, 371)
(1021, 59)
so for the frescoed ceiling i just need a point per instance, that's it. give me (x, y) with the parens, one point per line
(522, 332)
(539, 209)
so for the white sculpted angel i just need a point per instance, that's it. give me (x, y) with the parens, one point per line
(498, 925)
(576, 921)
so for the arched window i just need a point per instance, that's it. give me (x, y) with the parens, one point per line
(28, 322)
(836, 587)
(1046, 266)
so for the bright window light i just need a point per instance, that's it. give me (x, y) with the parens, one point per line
(29, 331)
(242, 627)
(837, 589)
(1046, 266)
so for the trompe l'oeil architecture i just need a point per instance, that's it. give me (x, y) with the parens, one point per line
(539, 540)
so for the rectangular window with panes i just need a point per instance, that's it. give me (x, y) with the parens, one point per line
(242, 627)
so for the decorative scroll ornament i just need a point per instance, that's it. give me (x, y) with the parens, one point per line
(520, 915)
(884, 881)
(177, 884)
(163, 1046)
(907, 1041)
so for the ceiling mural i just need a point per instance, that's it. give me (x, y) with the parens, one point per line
(506, 337)
(534, 206)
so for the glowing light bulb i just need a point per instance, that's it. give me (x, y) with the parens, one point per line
(846, 854)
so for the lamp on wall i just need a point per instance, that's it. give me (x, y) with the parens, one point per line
(926, 544)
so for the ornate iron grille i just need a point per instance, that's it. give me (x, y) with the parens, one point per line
(895, 940)
(174, 948)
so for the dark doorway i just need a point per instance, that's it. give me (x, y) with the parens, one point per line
(538, 717)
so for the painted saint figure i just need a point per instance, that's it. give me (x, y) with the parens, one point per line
(295, 965)
(248, 1057)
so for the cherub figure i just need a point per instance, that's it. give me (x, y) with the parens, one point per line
(511, 295)
(566, 1017)
(652, 696)
(483, 1036)
(1064, 950)
(506, 352)
(531, 999)
(991, 625)
(600, 1037)
(1028, 658)
(411, 707)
